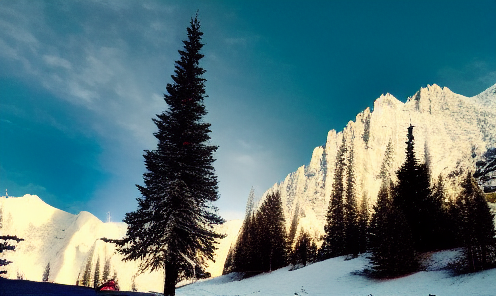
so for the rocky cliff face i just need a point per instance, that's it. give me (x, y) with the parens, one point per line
(452, 133)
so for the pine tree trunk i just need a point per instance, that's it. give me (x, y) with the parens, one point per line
(171, 274)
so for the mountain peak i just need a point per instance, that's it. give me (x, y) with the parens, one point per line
(487, 98)
(430, 91)
(450, 129)
(386, 101)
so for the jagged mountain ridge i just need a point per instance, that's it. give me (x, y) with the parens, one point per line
(452, 132)
(66, 241)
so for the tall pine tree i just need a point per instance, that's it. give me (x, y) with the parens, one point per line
(350, 209)
(271, 234)
(173, 224)
(413, 197)
(363, 224)
(334, 230)
(96, 277)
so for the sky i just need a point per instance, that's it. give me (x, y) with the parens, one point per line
(80, 82)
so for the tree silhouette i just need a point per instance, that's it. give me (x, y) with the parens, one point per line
(413, 197)
(271, 234)
(350, 209)
(173, 224)
(46, 273)
(334, 229)
(392, 253)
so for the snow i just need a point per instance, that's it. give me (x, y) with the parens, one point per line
(66, 241)
(453, 129)
(341, 277)
(336, 276)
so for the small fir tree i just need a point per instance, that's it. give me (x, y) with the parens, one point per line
(294, 226)
(106, 270)
(46, 273)
(96, 277)
(323, 167)
(387, 163)
(87, 269)
(20, 275)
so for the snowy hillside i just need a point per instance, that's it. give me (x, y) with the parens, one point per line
(333, 277)
(452, 131)
(66, 241)
(338, 277)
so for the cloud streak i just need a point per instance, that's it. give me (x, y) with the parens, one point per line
(114, 66)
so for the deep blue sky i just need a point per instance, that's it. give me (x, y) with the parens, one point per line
(81, 80)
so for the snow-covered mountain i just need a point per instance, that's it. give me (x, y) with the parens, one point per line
(452, 132)
(66, 241)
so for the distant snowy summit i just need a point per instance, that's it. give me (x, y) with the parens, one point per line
(453, 133)
(68, 242)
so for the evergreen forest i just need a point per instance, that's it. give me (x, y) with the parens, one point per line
(412, 217)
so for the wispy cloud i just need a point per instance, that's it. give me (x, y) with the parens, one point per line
(110, 73)
(470, 80)
(55, 61)
(112, 60)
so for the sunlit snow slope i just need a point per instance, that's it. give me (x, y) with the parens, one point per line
(340, 277)
(452, 131)
(66, 241)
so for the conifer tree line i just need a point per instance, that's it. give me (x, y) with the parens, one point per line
(92, 276)
(412, 216)
(263, 242)
(346, 228)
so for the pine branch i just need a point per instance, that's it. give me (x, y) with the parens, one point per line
(11, 237)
